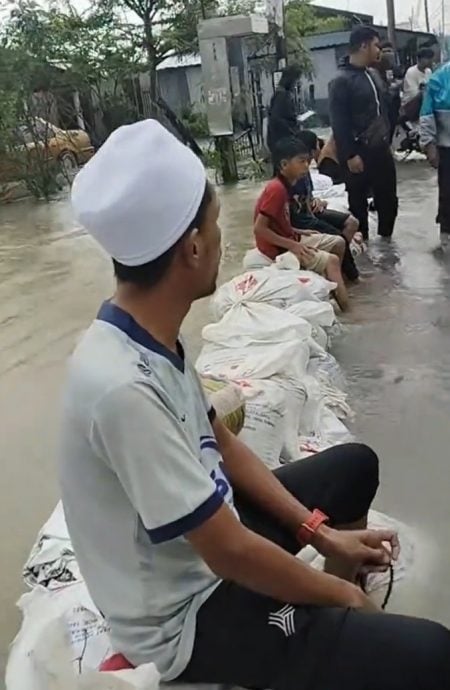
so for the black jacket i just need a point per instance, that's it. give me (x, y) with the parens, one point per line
(356, 99)
(282, 118)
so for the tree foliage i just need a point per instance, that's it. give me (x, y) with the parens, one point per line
(56, 48)
(301, 20)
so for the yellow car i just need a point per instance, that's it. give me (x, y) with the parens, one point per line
(71, 148)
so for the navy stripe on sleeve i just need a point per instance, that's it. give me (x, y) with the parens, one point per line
(187, 523)
(209, 444)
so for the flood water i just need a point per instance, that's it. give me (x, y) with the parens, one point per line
(395, 350)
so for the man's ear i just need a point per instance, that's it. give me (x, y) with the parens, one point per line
(191, 247)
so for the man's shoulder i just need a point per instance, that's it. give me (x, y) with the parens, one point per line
(341, 79)
(105, 366)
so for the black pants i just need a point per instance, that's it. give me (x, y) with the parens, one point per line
(253, 641)
(380, 178)
(329, 223)
(444, 190)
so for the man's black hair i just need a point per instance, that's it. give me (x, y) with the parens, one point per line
(361, 35)
(286, 149)
(309, 139)
(425, 54)
(290, 76)
(150, 274)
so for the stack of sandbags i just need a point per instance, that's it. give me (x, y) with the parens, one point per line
(265, 351)
(272, 321)
(267, 318)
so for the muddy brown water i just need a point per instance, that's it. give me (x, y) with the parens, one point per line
(395, 350)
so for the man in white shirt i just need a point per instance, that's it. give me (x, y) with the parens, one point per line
(418, 75)
(186, 541)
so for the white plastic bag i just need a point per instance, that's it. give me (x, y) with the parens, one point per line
(259, 361)
(316, 313)
(264, 427)
(255, 259)
(254, 323)
(320, 337)
(51, 562)
(321, 183)
(318, 286)
(326, 368)
(41, 609)
(287, 262)
(53, 662)
(279, 288)
(332, 430)
(296, 396)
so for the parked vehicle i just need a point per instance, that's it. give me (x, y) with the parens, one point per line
(69, 148)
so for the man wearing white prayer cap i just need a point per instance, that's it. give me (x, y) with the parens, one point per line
(185, 539)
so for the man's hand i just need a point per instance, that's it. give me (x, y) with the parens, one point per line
(367, 549)
(356, 165)
(319, 205)
(432, 153)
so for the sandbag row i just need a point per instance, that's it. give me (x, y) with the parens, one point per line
(270, 340)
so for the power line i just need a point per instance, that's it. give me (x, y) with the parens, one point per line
(427, 15)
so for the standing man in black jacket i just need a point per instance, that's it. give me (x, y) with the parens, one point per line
(283, 123)
(360, 121)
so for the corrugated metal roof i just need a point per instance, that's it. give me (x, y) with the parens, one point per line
(177, 61)
(334, 38)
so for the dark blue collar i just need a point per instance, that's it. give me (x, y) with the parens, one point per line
(111, 313)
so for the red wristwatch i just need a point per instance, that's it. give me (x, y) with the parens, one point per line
(309, 528)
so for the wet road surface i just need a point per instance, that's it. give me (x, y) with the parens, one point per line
(395, 350)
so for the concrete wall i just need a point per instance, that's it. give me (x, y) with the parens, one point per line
(174, 89)
(325, 68)
(182, 88)
(325, 64)
(195, 88)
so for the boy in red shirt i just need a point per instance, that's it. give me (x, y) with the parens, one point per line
(274, 233)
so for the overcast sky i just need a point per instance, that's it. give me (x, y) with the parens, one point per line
(374, 7)
(377, 8)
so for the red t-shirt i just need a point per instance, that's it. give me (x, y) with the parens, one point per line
(274, 204)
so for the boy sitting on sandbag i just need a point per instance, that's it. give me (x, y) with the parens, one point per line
(274, 233)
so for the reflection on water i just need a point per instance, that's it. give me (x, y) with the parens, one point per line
(395, 349)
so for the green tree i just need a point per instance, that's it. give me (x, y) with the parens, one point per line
(89, 49)
(301, 20)
(46, 56)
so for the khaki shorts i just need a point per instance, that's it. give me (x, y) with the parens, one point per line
(325, 245)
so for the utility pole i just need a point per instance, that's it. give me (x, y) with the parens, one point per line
(444, 40)
(391, 22)
(427, 16)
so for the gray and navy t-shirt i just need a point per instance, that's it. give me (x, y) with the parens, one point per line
(140, 468)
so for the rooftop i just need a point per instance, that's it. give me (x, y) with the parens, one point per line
(176, 61)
